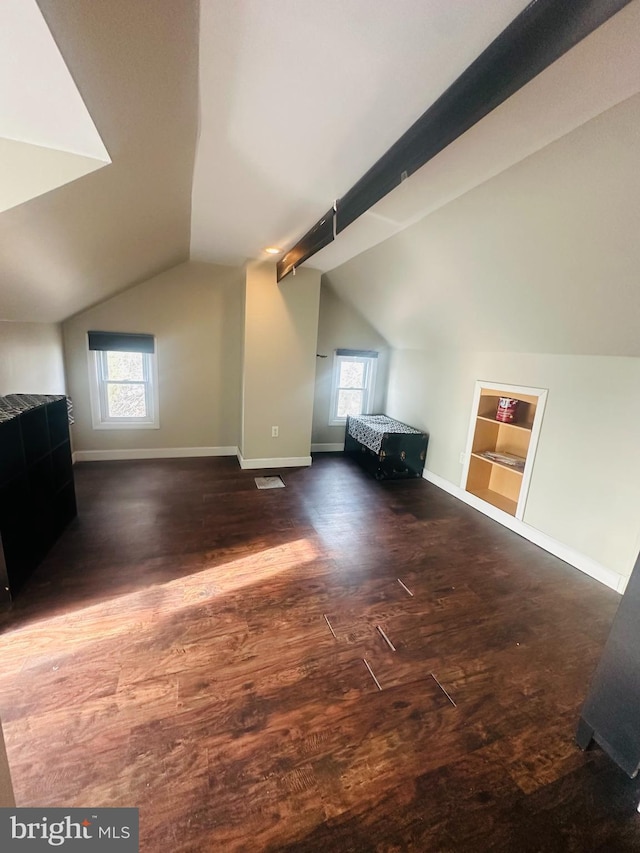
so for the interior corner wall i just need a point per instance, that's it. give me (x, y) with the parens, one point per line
(585, 486)
(280, 335)
(31, 358)
(195, 312)
(340, 325)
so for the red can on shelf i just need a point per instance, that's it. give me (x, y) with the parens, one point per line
(507, 410)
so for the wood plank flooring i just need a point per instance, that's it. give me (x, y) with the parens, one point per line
(172, 654)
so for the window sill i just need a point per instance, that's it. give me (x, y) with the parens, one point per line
(128, 425)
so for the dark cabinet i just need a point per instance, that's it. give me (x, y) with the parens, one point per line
(610, 712)
(37, 494)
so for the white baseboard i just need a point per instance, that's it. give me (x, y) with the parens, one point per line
(276, 462)
(327, 448)
(585, 564)
(151, 453)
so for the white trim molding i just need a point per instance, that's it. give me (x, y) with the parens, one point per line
(98, 393)
(276, 462)
(367, 388)
(328, 448)
(151, 453)
(580, 561)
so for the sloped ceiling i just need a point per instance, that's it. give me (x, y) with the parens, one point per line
(601, 71)
(300, 98)
(135, 66)
(544, 257)
(296, 101)
(47, 137)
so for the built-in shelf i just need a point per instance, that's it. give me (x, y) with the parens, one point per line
(503, 482)
(519, 471)
(527, 427)
(496, 499)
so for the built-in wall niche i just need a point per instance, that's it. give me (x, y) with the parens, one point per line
(503, 436)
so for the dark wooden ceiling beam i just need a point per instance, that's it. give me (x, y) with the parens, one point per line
(315, 239)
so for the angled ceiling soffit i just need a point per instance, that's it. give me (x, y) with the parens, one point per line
(47, 136)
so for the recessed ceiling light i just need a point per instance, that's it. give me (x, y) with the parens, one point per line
(273, 250)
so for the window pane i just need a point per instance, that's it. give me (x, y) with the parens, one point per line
(349, 403)
(126, 401)
(351, 374)
(125, 365)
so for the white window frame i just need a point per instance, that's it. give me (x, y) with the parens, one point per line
(98, 393)
(369, 387)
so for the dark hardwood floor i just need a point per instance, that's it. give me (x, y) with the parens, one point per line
(172, 653)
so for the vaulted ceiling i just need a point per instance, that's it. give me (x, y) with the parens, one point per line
(234, 125)
(47, 137)
(135, 65)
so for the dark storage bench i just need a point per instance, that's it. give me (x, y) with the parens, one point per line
(387, 448)
(37, 494)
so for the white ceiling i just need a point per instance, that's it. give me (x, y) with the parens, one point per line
(296, 101)
(601, 71)
(47, 137)
(135, 67)
(39, 102)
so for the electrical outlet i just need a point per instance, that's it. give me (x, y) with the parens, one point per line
(274, 432)
(462, 458)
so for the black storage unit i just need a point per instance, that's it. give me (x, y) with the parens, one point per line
(609, 715)
(37, 493)
(389, 449)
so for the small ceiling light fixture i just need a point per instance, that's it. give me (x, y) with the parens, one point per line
(273, 250)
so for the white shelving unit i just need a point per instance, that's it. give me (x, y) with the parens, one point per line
(499, 457)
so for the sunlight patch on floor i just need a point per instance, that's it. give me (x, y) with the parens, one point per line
(128, 612)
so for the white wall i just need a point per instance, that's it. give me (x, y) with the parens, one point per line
(280, 334)
(340, 326)
(195, 312)
(31, 360)
(585, 488)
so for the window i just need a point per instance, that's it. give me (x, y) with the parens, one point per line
(123, 381)
(354, 379)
